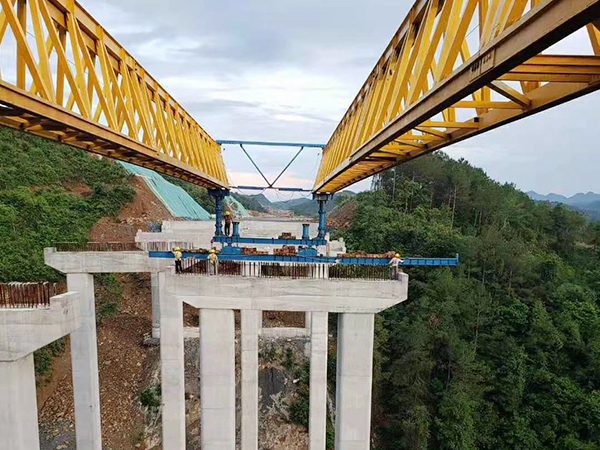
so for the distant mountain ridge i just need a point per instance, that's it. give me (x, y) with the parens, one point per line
(301, 206)
(579, 199)
(588, 203)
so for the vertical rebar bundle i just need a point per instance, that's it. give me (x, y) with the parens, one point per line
(27, 295)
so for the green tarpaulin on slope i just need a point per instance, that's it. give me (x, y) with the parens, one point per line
(236, 207)
(176, 199)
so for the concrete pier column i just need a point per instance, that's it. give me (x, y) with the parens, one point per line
(251, 323)
(171, 369)
(354, 381)
(217, 379)
(318, 381)
(155, 305)
(18, 407)
(84, 359)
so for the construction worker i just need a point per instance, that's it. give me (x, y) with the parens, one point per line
(228, 219)
(178, 255)
(395, 263)
(213, 262)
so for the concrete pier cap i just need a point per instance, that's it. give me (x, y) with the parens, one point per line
(24, 330)
(282, 294)
(104, 262)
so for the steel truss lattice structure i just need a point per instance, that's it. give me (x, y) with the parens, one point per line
(63, 77)
(456, 69)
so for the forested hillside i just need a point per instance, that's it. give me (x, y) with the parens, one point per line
(50, 193)
(502, 352)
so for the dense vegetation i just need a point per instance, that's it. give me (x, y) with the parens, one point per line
(502, 352)
(50, 193)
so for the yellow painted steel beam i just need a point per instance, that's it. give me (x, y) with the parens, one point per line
(75, 84)
(430, 70)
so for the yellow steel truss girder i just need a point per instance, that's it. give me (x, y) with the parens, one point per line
(427, 73)
(75, 84)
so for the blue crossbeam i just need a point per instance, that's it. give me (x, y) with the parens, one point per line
(408, 262)
(271, 144)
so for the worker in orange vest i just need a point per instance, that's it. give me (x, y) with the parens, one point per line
(395, 263)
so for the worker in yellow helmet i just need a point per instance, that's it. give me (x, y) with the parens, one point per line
(213, 262)
(178, 255)
(228, 219)
(395, 263)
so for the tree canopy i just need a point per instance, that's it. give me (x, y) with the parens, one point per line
(502, 352)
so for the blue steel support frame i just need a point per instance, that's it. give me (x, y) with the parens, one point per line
(407, 262)
(271, 185)
(322, 199)
(218, 195)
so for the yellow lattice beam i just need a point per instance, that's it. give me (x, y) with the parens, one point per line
(436, 71)
(73, 83)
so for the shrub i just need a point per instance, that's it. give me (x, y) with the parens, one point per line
(151, 396)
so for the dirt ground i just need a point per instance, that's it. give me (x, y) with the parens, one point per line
(144, 209)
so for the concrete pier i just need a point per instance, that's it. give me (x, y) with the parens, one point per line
(84, 359)
(308, 322)
(217, 379)
(354, 380)
(318, 381)
(18, 408)
(251, 323)
(172, 370)
(155, 305)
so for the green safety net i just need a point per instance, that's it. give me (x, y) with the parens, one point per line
(176, 199)
(236, 207)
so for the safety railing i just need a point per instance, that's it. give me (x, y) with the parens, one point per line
(97, 247)
(195, 266)
(366, 272)
(28, 295)
(167, 246)
(202, 266)
(276, 270)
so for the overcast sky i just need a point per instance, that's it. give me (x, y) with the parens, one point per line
(286, 70)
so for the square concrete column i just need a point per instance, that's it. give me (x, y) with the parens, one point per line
(354, 381)
(308, 322)
(18, 405)
(217, 379)
(84, 359)
(318, 381)
(172, 369)
(251, 323)
(155, 305)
